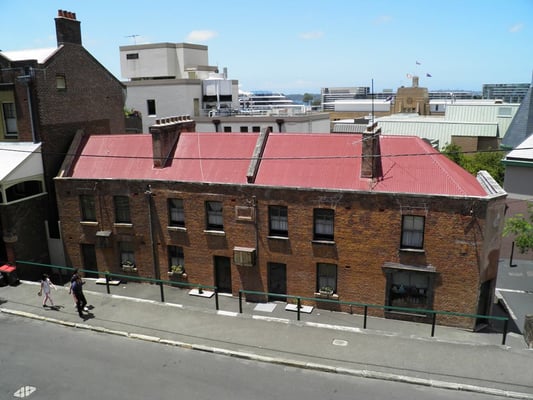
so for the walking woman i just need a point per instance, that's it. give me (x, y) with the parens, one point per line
(46, 285)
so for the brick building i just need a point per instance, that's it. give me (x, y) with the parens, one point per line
(46, 96)
(375, 219)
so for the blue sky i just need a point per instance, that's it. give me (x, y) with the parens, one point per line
(297, 46)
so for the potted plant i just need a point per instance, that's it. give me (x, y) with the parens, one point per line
(177, 270)
(326, 290)
(128, 266)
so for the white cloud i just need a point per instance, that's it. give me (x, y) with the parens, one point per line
(516, 28)
(311, 35)
(201, 36)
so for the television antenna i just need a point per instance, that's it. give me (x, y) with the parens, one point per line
(133, 37)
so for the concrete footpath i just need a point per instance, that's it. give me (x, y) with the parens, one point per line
(334, 342)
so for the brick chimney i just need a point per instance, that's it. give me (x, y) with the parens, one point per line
(371, 153)
(165, 134)
(67, 28)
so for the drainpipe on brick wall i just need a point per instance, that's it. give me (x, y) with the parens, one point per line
(254, 204)
(149, 195)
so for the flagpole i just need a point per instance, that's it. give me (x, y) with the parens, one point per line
(372, 101)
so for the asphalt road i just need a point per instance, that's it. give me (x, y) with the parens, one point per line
(44, 361)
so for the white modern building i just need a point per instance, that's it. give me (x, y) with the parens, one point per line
(301, 123)
(165, 79)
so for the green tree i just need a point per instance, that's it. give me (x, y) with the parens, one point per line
(522, 228)
(308, 98)
(490, 161)
(453, 152)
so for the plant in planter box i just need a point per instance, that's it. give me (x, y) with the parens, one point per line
(128, 266)
(177, 270)
(326, 290)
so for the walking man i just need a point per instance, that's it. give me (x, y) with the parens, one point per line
(77, 291)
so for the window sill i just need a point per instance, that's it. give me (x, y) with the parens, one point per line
(278, 237)
(123, 225)
(89, 223)
(332, 296)
(326, 242)
(410, 250)
(214, 233)
(177, 228)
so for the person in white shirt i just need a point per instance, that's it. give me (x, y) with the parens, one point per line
(46, 285)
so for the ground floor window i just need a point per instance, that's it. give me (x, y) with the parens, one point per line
(326, 278)
(409, 289)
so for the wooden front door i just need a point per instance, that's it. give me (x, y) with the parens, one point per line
(223, 274)
(277, 280)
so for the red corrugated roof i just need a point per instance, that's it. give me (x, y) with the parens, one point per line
(202, 157)
(327, 161)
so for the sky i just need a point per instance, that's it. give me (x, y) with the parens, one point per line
(297, 46)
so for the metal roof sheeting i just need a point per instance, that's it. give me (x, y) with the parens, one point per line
(524, 151)
(311, 161)
(20, 160)
(436, 129)
(41, 55)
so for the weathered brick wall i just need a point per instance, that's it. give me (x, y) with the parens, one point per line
(367, 234)
(20, 219)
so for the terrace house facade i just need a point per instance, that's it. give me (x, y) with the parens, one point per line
(46, 96)
(366, 218)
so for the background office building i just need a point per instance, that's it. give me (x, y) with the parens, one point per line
(508, 92)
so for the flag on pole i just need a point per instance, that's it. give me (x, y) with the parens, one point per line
(409, 76)
(428, 75)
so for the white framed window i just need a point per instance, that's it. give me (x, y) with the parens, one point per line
(127, 253)
(278, 221)
(175, 257)
(88, 209)
(122, 209)
(61, 82)
(323, 222)
(326, 275)
(10, 119)
(176, 214)
(412, 232)
(214, 216)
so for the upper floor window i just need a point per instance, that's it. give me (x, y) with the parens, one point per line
(278, 221)
(61, 82)
(214, 215)
(244, 129)
(132, 56)
(323, 219)
(10, 119)
(122, 209)
(88, 209)
(227, 129)
(150, 105)
(326, 277)
(176, 214)
(412, 232)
